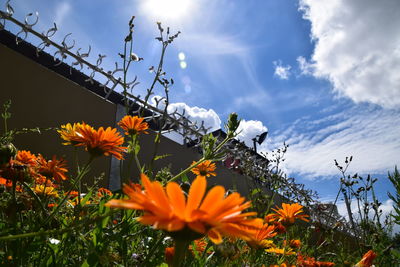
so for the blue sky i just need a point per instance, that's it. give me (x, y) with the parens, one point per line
(321, 75)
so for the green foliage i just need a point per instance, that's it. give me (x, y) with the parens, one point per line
(395, 180)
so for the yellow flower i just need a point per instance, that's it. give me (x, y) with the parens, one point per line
(204, 169)
(133, 125)
(45, 190)
(190, 218)
(281, 251)
(289, 212)
(70, 133)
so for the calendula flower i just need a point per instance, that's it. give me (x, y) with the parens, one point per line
(262, 234)
(294, 243)
(283, 265)
(44, 190)
(70, 133)
(199, 245)
(367, 259)
(204, 169)
(169, 255)
(304, 261)
(5, 182)
(103, 192)
(26, 157)
(72, 194)
(281, 251)
(289, 212)
(54, 168)
(133, 125)
(100, 142)
(189, 218)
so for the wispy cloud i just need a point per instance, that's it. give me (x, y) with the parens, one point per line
(62, 11)
(281, 71)
(370, 135)
(357, 48)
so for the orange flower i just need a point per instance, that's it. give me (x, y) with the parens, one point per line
(295, 243)
(281, 251)
(169, 255)
(204, 169)
(264, 232)
(103, 192)
(304, 261)
(72, 194)
(70, 133)
(367, 259)
(289, 212)
(7, 183)
(199, 245)
(283, 265)
(100, 142)
(26, 157)
(133, 125)
(168, 209)
(54, 168)
(45, 190)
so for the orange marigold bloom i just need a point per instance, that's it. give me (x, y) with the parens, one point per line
(294, 243)
(282, 265)
(304, 261)
(54, 168)
(281, 251)
(5, 182)
(26, 157)
(204, 169)
(169, 255)
(192, 217)
(199, 245)
(367, 259)
(103, 192)
(264, 232)
(70, 133)
(100, 142)
(72, 194)
(289, 212)
(133, 125)
(45, 190)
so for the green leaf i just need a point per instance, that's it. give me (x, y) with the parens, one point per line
(162, 156)
(86, 198)
(184, 178)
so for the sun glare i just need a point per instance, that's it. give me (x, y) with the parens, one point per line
(165, 10)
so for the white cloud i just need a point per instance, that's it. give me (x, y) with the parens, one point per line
(305, 67)
(281, 71)
(213, 44)
(370, 135)
(386, 207)
(357, 47)
(198, 115)
(61, 12)
(250, 129)
(194, 114)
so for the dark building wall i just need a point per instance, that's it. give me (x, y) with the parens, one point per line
(43, 98)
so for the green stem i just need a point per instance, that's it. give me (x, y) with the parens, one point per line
(54, 231)
(201, 160)
(186, 170)
(36, 197)
(80, 176)
(181, 247)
